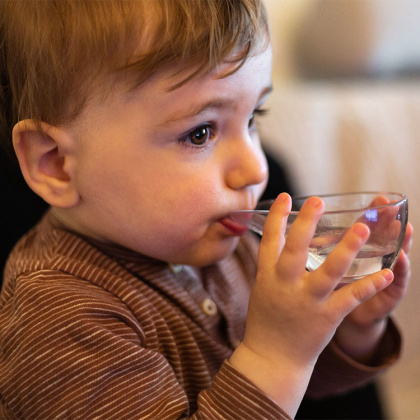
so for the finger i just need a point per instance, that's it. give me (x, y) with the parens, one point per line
(347, 298)
(402, 271)
(380, 200)
(272, 239)
(386, 216)
(394, 231)
(292, 261)
(327, 276)
(378, 219)
(382, 221)
(408, 239)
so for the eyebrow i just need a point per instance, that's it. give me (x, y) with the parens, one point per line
(212, 104)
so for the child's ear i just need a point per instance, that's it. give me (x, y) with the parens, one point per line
(45, 159)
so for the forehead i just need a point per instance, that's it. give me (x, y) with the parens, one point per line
(253, 75)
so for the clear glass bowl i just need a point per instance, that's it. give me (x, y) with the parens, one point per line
(385, 213)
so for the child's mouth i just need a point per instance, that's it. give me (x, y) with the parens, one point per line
(237, 229)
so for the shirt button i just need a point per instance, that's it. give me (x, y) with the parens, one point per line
(209, 307)
(236, 342)
(175, 268)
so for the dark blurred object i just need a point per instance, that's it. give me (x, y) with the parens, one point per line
(279, 180)
(360, 404)
(20, 208)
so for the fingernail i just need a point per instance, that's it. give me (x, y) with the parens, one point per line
(283, 197)
(388, 275)
(315, 202)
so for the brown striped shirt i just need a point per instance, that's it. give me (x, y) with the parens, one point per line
(94, 332)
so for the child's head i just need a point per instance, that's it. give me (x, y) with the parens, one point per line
(136, 117)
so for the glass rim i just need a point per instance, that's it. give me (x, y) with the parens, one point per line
(402, 198)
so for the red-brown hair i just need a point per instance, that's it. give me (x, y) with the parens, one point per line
(55, 52)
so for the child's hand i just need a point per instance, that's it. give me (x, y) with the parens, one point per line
(362, 328)
(295, 307)
(292, 313)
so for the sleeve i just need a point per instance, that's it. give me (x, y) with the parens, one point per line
(230, 386)
(337, 373)
(76, 352)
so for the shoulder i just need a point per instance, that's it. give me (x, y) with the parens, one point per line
(55, 269)
(50, 258)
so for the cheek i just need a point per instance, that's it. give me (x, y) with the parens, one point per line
(163, 190)
(189, 187)
(175, 222)
(191, 204)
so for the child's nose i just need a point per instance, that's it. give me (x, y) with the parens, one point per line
(248, 165)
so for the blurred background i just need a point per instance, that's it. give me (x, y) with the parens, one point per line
(345, 116)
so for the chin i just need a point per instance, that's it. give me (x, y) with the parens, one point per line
(212, 254)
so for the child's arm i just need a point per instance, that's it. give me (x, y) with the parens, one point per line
(293, 314)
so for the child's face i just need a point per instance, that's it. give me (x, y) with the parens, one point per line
(159, 171)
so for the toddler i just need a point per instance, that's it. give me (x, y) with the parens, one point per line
(136, 296)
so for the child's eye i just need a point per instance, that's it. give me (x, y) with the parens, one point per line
(199, 136)
(257, 112)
